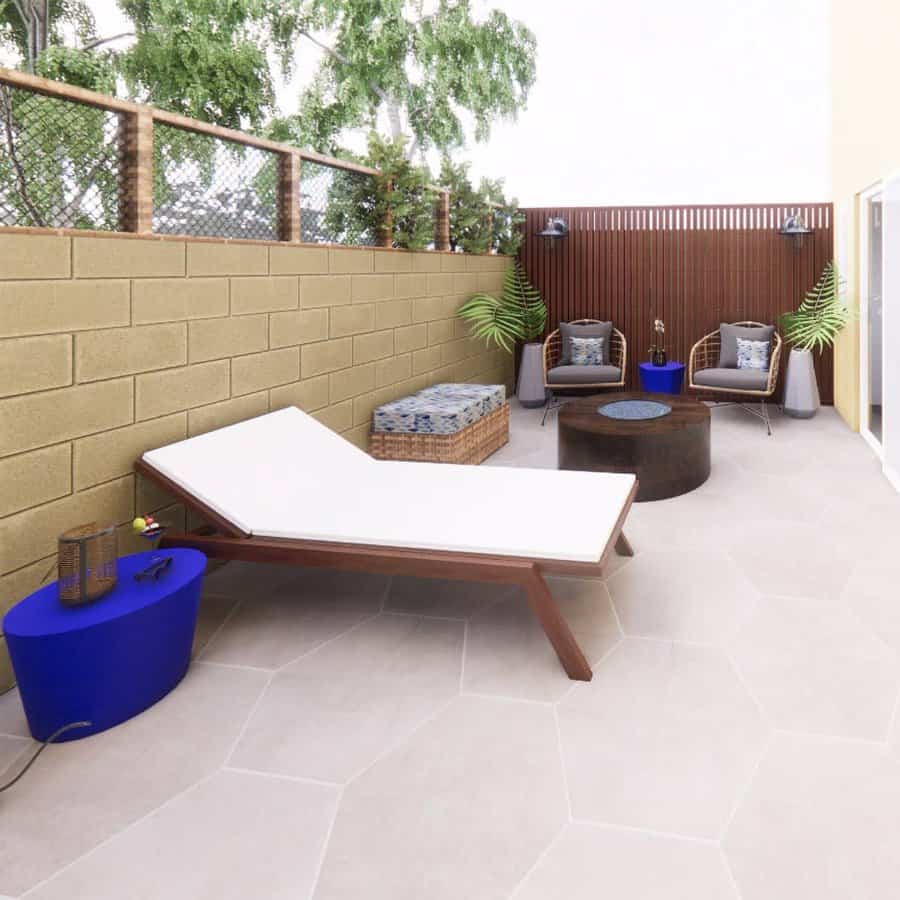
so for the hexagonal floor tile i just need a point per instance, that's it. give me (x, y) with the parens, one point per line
(689, 595)
(12, 754)
(333, 712)
(462, 810)
(447, 599)
(814, 667)
(12, 715)
(82, 792)
(289, 616)
(790, 558)
(508, 654)
(689, 522)
(231, 837)
(821, 820)
(589, 862)
(871, 592)
(665, 738)
(213, 612)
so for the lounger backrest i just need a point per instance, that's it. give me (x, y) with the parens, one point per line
(220, 468)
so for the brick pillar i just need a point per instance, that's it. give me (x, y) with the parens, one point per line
(289, 196)
(136, 194)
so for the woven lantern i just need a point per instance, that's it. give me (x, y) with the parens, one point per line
(87, 563)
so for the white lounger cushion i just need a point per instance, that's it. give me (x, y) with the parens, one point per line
(285, 475)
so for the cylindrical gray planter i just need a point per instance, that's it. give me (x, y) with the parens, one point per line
(530, 386)
(801, 390)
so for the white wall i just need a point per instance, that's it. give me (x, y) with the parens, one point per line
(655, 101)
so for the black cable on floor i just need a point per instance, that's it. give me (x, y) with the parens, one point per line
(40, 750)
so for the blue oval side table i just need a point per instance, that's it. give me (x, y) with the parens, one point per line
(109, 660)
(665, 379)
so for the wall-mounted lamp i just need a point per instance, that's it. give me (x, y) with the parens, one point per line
(795, 227)
(555, 229)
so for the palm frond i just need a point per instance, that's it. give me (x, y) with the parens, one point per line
(518, 314)
(821, 316)
(493, 320)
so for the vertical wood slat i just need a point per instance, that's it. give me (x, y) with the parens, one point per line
(136, 152)
(289, 196)
(695, 265)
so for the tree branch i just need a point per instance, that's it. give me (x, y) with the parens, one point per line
(68, 212)
(380, 92)
(92, 45)
(14, 159)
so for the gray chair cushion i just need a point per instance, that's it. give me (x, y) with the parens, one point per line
(733, 379)
(601, 329)
(584, 374)
(729, 335)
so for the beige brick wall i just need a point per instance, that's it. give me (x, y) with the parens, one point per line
(110, 346)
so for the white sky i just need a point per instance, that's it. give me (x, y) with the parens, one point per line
(658, 101)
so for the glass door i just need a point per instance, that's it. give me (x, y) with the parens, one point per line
(872, 314)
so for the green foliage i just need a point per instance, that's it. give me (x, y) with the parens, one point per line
(74, 16)
(480, 220)
(421, 70)
(821, 316)
(360, 206)
(51, 182)
(82, 68)
(519, 314)
(507, 220)
(202, 58)
(470, 215)
(392, 57)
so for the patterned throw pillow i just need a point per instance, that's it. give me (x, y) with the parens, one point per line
(753, 354)
(587, 351)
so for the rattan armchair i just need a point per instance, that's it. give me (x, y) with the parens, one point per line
(705, 375)
(618, 357)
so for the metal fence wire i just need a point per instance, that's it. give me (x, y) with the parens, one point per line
(211, 187)
(59, 163)
(336, 205)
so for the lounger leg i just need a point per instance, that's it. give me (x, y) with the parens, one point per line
(623, 545)
(556, 628)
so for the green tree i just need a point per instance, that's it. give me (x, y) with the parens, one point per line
(386, 60)
(394, 209)
(470, 213)
(419, 70)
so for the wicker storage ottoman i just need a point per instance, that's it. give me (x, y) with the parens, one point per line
(448, 425)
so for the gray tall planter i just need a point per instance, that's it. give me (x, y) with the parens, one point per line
(801, 390)
(530, 386)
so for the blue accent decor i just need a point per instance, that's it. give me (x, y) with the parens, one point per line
(107, 661)
(665, 379)
(634, 410)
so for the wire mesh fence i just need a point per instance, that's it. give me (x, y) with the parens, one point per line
(60, 162)
(336, 206)
(71, 158)
(210, 187)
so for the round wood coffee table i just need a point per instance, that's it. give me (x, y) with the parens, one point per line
(669, 452)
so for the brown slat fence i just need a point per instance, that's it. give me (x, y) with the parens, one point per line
(692, 266)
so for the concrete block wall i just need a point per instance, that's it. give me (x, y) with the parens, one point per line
(110, 346)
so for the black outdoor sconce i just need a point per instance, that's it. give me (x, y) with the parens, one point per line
(795, 227)
(555, 229)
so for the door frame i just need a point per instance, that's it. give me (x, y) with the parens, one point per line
(863, 293)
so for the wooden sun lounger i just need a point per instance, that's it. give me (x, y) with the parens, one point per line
(284, 489)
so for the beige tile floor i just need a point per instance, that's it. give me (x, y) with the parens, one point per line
(355, 738)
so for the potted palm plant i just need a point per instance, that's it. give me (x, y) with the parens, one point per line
(814, 326)
(518, 314)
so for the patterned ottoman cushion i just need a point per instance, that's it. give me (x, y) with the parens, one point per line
(491, 396)
(426, 415)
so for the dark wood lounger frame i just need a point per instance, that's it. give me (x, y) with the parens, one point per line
(233, 543)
